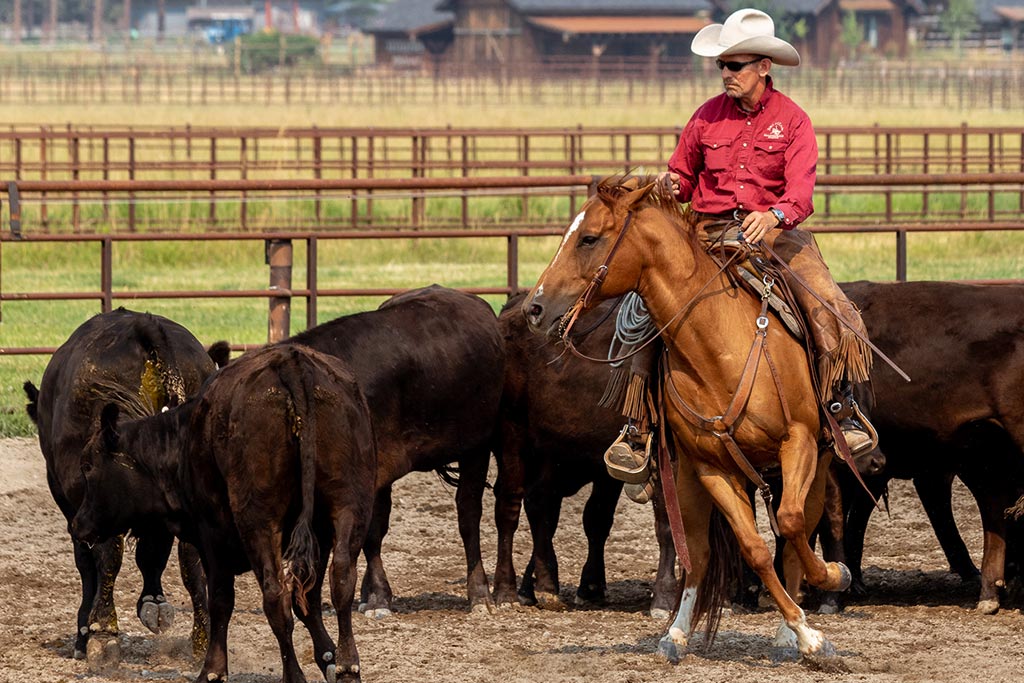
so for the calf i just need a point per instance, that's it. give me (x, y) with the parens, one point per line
(962, 415)
(430, 362)
(276, 453)
(552, 440)
(144, 363)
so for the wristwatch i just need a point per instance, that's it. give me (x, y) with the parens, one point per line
(778, 214)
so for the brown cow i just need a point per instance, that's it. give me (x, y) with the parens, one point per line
(552, 441)
(144, 362)
(962, 415)
(271, 468)
(430, 362)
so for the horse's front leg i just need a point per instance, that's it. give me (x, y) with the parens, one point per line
(728, 489)
(695, 504)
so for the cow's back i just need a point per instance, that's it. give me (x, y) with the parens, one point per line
(962, 345)
(138, 360)
(430, 362)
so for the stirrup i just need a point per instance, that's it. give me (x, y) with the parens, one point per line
(864, 437)
(626, 464)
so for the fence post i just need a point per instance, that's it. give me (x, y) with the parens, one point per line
(901, 255)
(106, 273)
(279, 258)
(513, 263)
(311, 281)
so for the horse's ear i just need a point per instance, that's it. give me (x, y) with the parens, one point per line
(635, 197)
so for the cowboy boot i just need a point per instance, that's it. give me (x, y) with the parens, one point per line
(628, 459)
(859, 433)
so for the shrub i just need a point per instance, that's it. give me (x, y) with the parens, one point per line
(265, 50)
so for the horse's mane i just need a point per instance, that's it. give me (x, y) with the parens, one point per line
(614, 187)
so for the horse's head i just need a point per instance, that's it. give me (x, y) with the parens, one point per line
(597, 258)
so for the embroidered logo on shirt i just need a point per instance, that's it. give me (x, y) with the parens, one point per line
(774, 131)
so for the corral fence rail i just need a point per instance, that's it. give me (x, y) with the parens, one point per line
(994, 86)
(189, 154)
(279, 246)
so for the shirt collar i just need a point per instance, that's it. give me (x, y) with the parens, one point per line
(769, 88)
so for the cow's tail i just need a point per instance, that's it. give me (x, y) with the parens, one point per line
(302, 554)
(32, 407)
(162, 385)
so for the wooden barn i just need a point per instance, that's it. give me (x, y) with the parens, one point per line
(411, 33)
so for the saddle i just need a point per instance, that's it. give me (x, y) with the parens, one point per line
(750, 270)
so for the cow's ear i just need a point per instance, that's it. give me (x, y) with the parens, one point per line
(108, 426)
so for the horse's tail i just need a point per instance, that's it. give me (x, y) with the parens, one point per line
(302, 554)
(725, 568)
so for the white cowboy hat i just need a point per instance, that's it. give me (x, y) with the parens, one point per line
(745, 31)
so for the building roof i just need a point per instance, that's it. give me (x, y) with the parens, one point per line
(620, 25)
(600, 7)
(409, 16)
(996, 11)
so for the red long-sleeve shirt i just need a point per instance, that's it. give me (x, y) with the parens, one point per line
(728, 159)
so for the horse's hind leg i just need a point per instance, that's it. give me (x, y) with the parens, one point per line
(729, 493)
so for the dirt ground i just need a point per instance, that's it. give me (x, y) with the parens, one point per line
(918, 626)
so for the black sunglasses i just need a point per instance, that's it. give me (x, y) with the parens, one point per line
(735, 66)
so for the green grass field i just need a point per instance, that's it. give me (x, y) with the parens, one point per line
(476, 262)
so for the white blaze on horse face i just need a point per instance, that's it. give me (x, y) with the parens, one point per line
(568, 233)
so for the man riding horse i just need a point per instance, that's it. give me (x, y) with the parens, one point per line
(746, 163)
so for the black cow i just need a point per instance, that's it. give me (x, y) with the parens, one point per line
(552, 441)
(430, 362)
(962, 415)
(271, 468)
(144, 363)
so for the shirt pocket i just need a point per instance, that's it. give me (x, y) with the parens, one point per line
(770, 158)
(717, 153)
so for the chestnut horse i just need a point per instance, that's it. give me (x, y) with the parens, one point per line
(749, 399)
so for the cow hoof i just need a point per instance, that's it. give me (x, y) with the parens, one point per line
(79, 654)
(988, 606)
(482, 607)
(156, 614)
(659, 613)
(103, 652)
(828, 608)
(550, 602)
(379, 613)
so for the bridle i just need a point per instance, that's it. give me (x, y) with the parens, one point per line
(586, 297)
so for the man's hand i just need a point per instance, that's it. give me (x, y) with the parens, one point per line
(757, 224)
(670, 180)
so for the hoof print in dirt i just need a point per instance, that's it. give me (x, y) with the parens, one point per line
(103, 652)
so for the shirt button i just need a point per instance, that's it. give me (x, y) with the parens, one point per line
(741, 187)
(740, 206)
(741, 165)
(748, 122)
(744, 144)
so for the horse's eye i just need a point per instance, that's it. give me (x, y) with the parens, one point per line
(588, 240)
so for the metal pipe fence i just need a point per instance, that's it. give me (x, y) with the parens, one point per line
(278, 244)
(555, 82)
(189, 154)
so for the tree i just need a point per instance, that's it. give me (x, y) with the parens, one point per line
(958, 19)
(852, 35)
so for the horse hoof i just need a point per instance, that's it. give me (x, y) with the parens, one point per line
(659, 613)
(103, 652)
(377, 614)
(826, 660)
(845, 577)
(785, 637)
(669, 649)
(988, 606)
